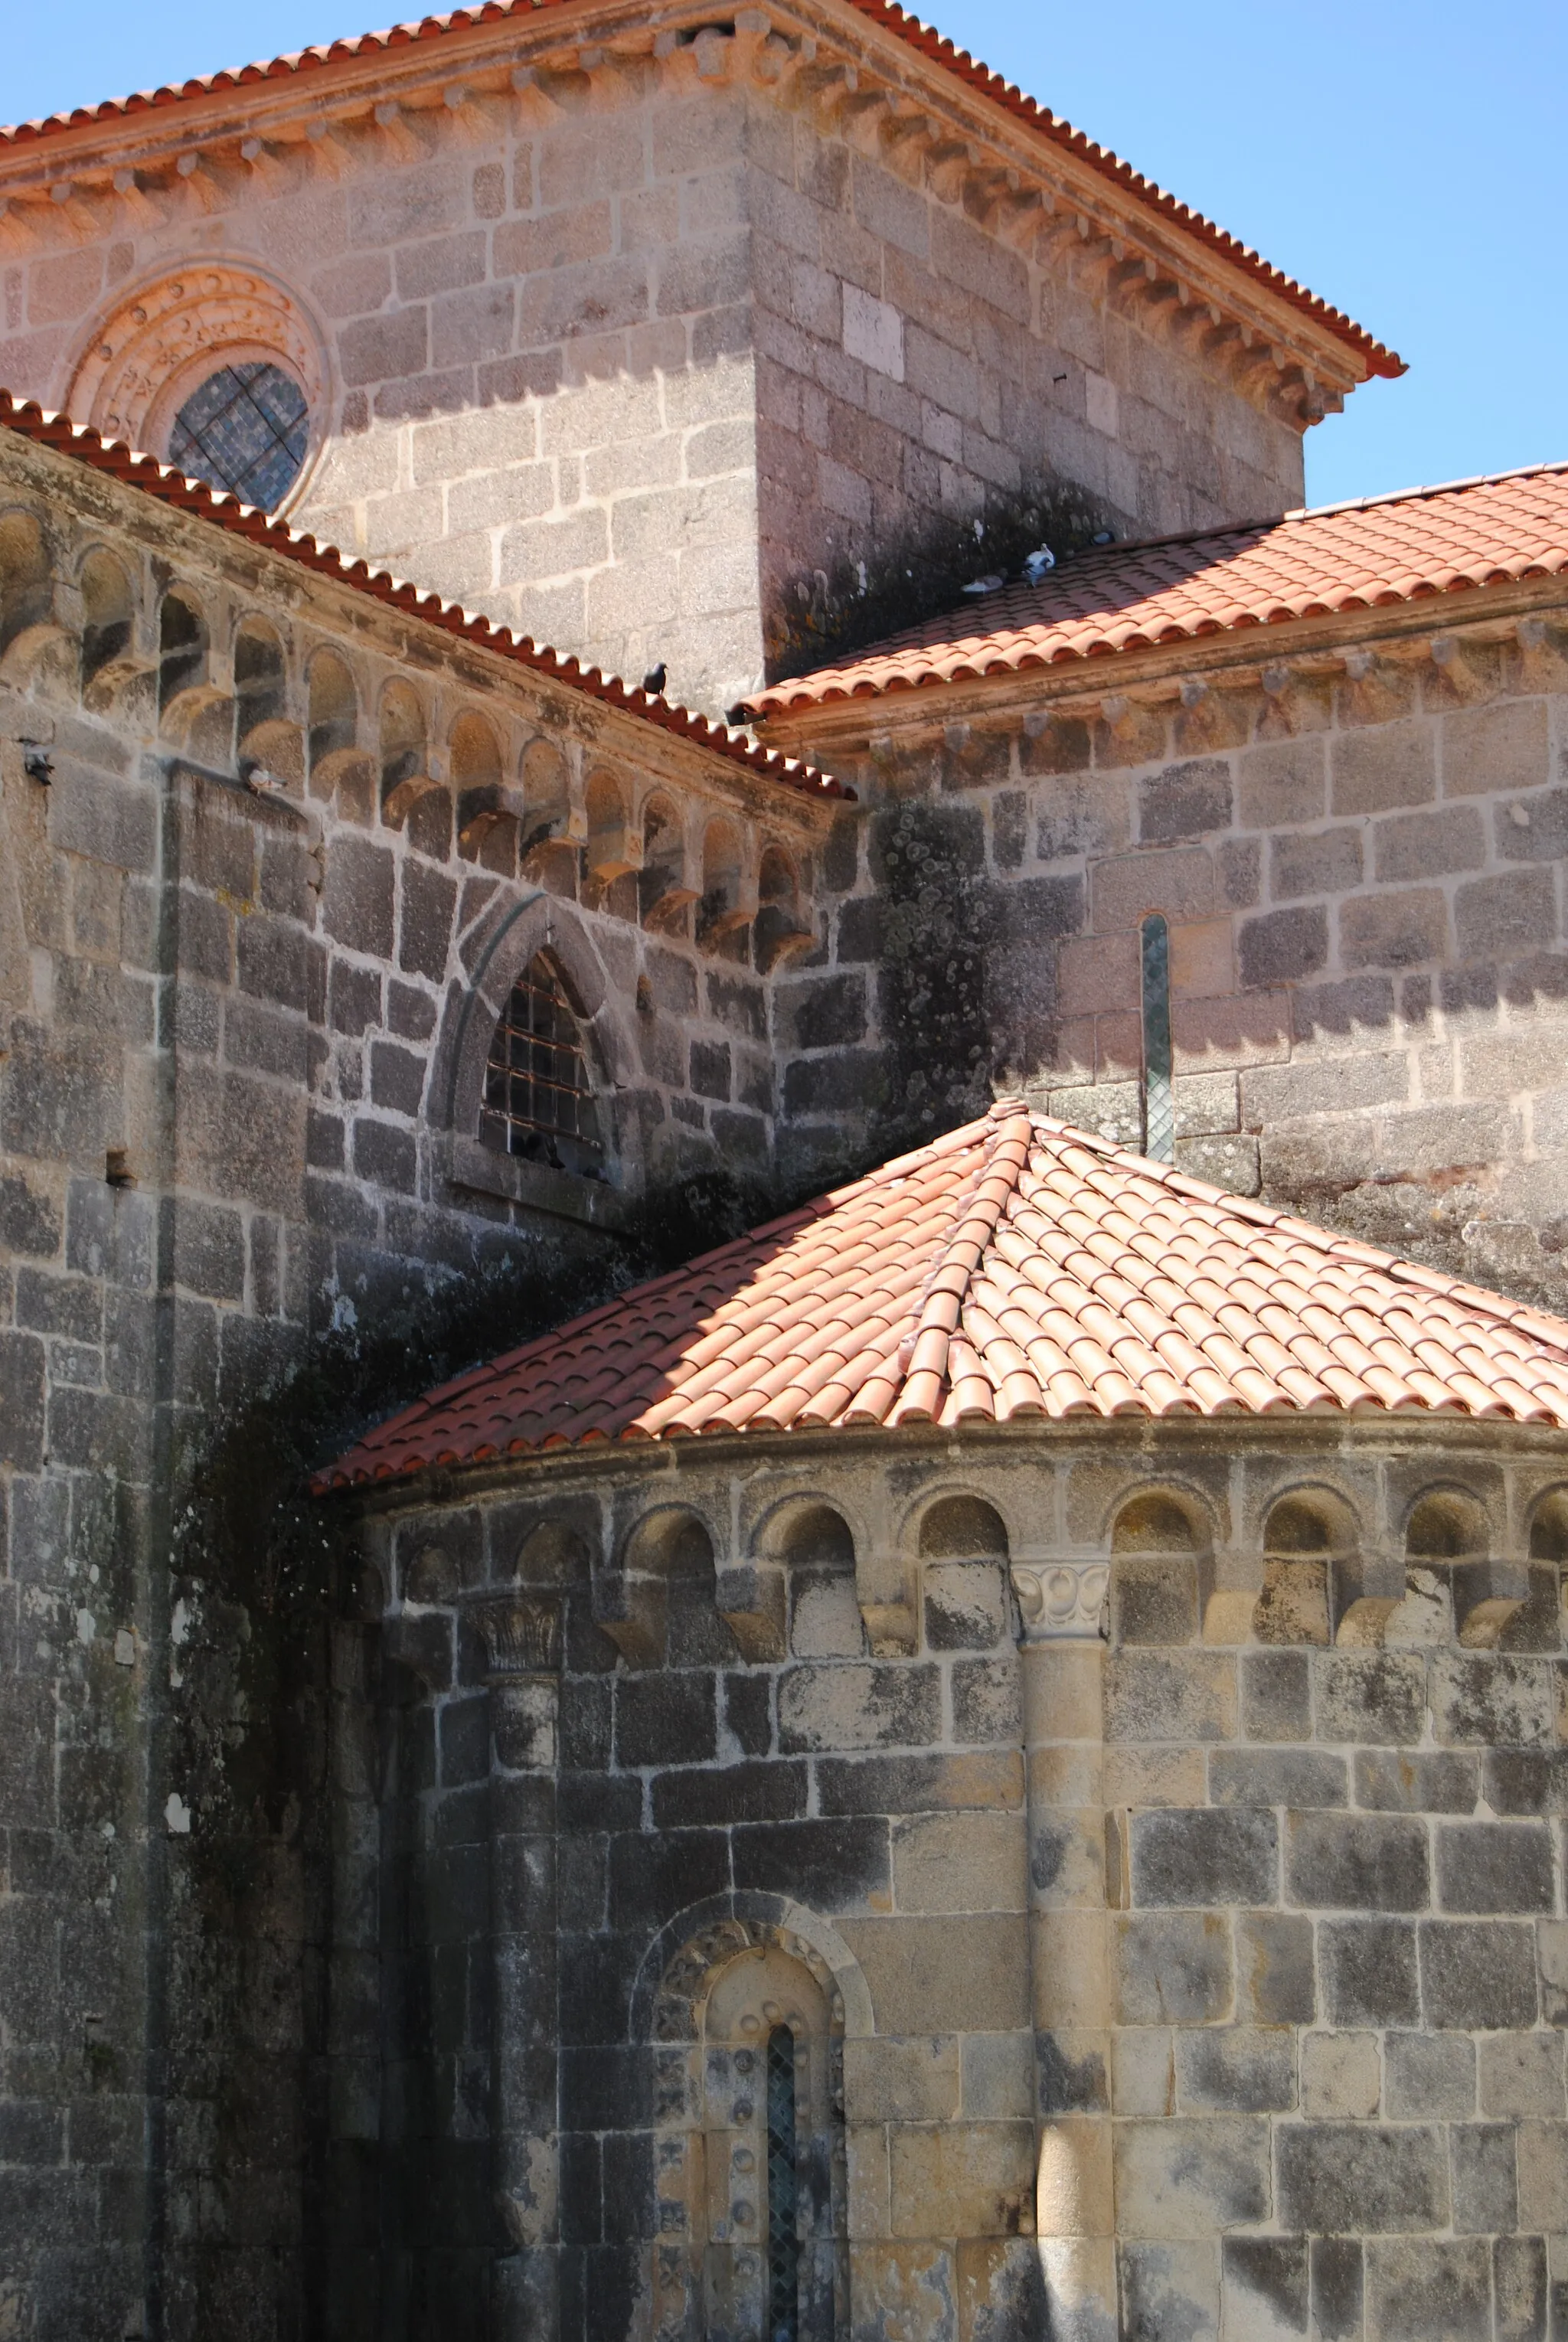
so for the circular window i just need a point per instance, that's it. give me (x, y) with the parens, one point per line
(247, 429)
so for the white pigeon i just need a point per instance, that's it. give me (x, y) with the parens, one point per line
(1039, 565)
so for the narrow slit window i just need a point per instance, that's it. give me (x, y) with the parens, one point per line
(538, 1100)
(784, 2200)
(1159, 1109)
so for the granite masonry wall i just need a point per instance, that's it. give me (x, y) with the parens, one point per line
(619, 337)
(1358, 852)
(1153, 1842)
(238, 1110)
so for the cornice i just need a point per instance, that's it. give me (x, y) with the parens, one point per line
(840, 729)
(651, 731)
(875, 75)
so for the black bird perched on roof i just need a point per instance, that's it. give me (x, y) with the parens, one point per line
(654, 681)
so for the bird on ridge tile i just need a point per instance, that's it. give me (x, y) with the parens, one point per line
(654, 681)
(1039, 565)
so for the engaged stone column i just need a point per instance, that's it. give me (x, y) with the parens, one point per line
(522, 1648)
(1060, 1605)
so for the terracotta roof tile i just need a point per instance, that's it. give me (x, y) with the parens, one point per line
(171, 486)
(1014, 1267)
(1374, 357)
(1133, 598)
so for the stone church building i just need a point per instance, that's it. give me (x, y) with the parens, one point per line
(783, 1343)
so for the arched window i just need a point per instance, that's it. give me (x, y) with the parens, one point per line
(538, 1099)
(1158, 1112)
(247, 429)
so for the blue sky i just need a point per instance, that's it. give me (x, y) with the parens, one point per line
(1397, 156)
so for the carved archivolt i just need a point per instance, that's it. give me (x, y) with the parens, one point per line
(164, 340)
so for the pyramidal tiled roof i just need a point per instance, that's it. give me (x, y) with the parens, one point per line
(1015, 1268)
(1368, 556)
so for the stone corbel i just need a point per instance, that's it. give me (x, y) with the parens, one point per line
(1061, 1601)
(632, 1606)
(884, 1589)
(750, 1599)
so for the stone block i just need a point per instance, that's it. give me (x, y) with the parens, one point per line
(1204, 1856)
(1185, 801)
(1276, 1982)
(1317, 861)
(1352, 2178)
(1281, 786)
(1519, 2288)
(1276, 1696)
(1384, 766)
(1521, 2074)
(1399, 929)
(1477, 1975)
(1495, 1867)
(1282, 946)
(963, 2180)
(1369, 1972)
(1541, 2162)
(1496, 751)
(665, 1719)
(1156, 1696)
(997, 2075)
(1429, 2076)
(1229, 1164)
(1492, 1698)
(838, 1865)
(1154, 1600)
(959, 1862)
(1499, 918)
(1371, 1696)
(1486, 2185)
(1236, 2069)
(1432, 845)
(1415, 1782)
(1169, 2289)
(1341, 2077)
(1284, 1776)
(1186, 2177)
(1172, 1967)
(1264, 2289)
(1416, 2292)
(928, 1977)
(1125, 888)
(850, 1706)
(1356, 1862)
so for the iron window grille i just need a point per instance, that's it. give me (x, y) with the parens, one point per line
(783, 2191)
(247, 429)
(539, 1103)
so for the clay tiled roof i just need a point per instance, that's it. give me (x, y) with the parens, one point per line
(1015, 1268)
(171, 486)
(1374, 357)
(1380, 551)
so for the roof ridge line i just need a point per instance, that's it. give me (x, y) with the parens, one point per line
(975, 1220)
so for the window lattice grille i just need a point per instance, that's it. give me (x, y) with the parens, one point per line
(246, 429)
(783, 2202)
(538, 1101)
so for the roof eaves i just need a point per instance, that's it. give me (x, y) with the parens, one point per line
(1374, 356)
(171, 486)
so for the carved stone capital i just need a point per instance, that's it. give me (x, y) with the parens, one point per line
(521, 1637)
(1061, 1601)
